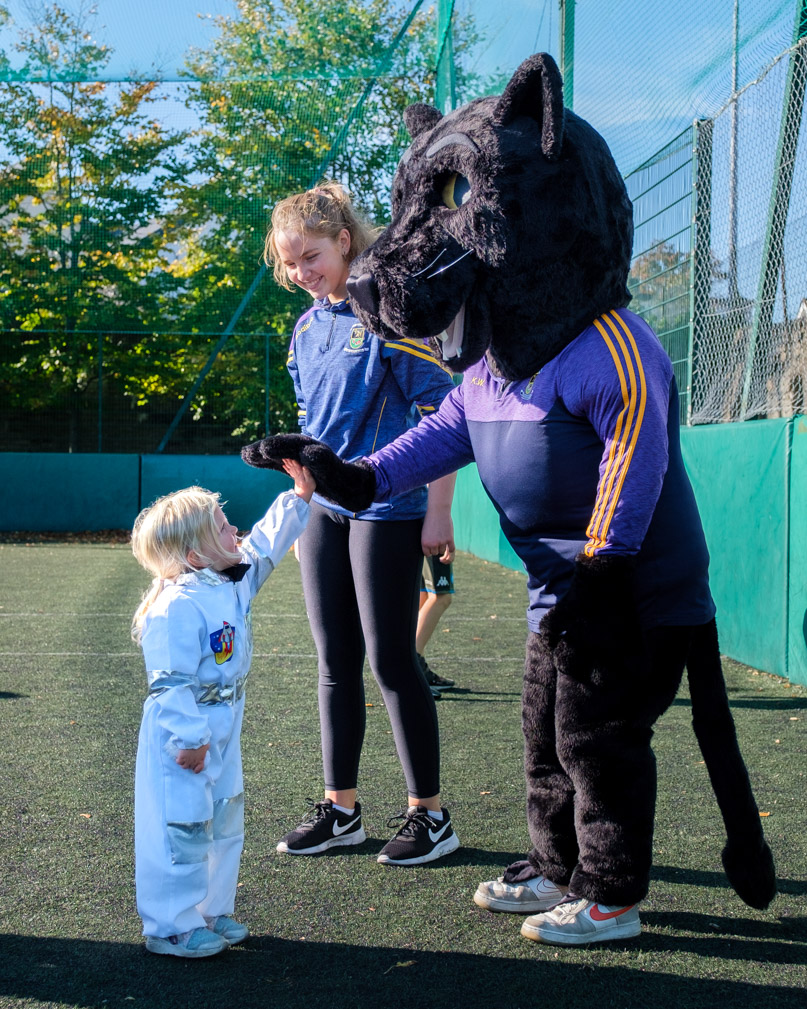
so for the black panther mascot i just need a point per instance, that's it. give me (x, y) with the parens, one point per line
(509, 249)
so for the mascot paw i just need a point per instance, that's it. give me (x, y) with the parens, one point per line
(349, 484)
(751, 872)
(596, 616)
(269, 453)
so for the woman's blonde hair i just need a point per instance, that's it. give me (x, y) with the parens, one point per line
(167, 531)
(323, 212)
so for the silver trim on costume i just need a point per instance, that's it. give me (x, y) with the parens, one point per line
(189, 841)
(204, 693)
(165, 679)
(228, 817)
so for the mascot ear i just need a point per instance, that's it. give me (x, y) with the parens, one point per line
(419, 118)
(536, 90)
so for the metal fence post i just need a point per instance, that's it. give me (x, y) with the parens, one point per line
(567, 50)
(445, 91)
(773, 249)
(700, 277)
(100, 391)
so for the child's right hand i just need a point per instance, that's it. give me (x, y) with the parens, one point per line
(304, 483)
(193, 760)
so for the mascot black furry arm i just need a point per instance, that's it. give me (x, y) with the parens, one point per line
(509, 247)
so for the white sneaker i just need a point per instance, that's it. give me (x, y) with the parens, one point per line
(198, 942)
(580, 921)
(537, 894)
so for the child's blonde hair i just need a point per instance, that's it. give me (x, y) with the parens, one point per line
(167, 531)
(322, 211)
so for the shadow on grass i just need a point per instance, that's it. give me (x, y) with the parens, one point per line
(269, 973)
(761, 704)
(9, 695)
(700, 877)
(463, 856)
(481, 696)
(782, 941)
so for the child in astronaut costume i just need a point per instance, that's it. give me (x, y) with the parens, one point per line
(195, 631)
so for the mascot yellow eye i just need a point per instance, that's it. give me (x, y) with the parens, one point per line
(456, 191)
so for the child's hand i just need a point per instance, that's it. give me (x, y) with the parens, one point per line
(193, 760)
(304, 483)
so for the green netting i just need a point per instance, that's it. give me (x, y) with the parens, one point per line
(134, 214)
(142, 148)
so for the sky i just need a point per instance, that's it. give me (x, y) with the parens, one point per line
(643, 70)
(156, 33)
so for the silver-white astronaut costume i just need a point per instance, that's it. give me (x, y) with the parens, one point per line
(197, 643)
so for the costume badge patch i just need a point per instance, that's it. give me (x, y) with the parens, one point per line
(526, 392)
(223, 643)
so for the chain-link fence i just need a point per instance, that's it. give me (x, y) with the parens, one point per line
(103, 391)
(661, 271)
(750, 305)
(720, 258)
(136, 315)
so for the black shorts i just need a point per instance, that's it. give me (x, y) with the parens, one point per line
(437, 578)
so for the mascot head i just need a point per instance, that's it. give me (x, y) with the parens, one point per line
(511, 230)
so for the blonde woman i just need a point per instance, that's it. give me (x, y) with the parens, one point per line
(194, 628)
(361, 572)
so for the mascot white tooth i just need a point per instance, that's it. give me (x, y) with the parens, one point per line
(511, 212)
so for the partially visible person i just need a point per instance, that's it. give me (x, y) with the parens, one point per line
(194, 627)
(436, 593)
(361, 572)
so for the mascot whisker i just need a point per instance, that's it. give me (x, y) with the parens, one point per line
(569, 408)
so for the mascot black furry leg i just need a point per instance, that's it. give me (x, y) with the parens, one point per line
(509, 249)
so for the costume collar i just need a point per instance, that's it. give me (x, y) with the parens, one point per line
(236, 572)
(209, 576)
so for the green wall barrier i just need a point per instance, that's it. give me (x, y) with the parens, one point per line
(246, 492)
(797, 567)
(69, 492)
(740, 476)
(65, 492)
(750, 480)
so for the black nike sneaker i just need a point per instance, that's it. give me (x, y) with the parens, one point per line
(420, 839)
(436, 682)
(324, 828)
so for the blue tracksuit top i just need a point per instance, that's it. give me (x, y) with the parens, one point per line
(356, 393)
(584, 456)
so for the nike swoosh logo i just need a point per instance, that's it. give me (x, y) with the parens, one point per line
(599, 915)
(436, 835)
(337, 830)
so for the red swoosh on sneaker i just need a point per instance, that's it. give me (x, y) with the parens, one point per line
(598, 915)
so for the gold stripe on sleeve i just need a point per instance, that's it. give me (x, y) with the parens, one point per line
(629, 424)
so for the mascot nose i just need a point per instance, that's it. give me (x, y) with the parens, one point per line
(364, 291)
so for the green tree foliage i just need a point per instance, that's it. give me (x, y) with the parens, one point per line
(87, 175)
(111, 221)
(285, 96)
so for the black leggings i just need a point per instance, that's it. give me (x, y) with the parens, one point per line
(361, 581)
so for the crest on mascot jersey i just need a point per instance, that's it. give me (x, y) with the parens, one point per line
(222, 642)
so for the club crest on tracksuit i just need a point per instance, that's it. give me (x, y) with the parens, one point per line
(222, 642)
(356, 340)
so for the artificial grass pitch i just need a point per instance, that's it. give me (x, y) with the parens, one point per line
(339, 929)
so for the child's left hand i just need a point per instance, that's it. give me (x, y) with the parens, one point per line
(304, 483)
(193, 760)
